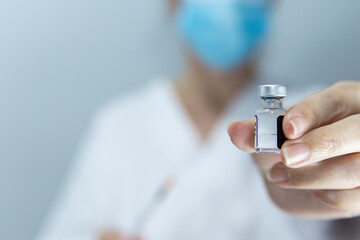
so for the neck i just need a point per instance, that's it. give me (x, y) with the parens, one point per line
(206, 96)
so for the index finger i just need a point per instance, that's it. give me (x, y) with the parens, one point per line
(335, 103)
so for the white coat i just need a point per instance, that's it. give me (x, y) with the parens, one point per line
(138, 141)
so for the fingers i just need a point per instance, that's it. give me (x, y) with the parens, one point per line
(339, 138)
(338, 173)
(242, 134)
(303, 203)
(333, 104)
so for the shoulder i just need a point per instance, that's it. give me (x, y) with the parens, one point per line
(117, 125)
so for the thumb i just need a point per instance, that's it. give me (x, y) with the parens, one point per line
(242, 134)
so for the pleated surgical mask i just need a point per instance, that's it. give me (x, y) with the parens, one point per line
(223, 33)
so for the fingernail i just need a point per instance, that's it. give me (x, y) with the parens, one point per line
(278, 174)
(299, 125)
(296, 153)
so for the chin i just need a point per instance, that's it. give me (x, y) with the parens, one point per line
(241, 72)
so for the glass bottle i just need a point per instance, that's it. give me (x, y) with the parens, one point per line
(269, 135)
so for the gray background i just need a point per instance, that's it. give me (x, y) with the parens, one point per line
(61, 60)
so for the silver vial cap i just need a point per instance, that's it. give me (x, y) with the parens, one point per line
(272, 91)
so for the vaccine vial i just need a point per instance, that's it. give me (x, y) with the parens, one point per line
(269, 136)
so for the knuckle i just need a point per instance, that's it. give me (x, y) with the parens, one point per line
(346, 84)
(342, 199)
(335, 200)
(338, 106)
(309, 113)
(306, 110)
(328, 145)
(347, 88)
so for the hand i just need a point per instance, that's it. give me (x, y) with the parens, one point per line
(317, 174)
(110, 235)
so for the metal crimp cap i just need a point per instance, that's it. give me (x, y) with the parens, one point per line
(272, 91)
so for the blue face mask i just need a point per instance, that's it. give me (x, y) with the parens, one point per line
(223, 34)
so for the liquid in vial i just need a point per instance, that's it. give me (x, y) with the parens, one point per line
(269, 135)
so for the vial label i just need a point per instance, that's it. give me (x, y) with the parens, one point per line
(280, 133)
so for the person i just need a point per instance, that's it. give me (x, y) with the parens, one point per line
(158, 163)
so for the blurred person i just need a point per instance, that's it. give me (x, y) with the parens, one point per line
(158, 163)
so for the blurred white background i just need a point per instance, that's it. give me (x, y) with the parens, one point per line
(61, 60)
